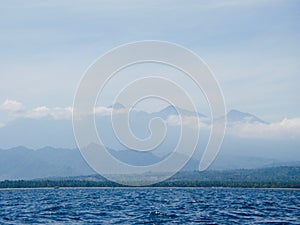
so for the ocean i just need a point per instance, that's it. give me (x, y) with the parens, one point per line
(149, 206)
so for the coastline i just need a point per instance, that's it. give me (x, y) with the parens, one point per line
(150, 187)
(70, 184)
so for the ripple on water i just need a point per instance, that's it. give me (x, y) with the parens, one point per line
(149, 205)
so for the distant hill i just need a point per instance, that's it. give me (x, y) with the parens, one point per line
(171, 110)
(234, 116)
(268, 174)
(23, 163)
(237, 152)
(48, 131)
(273, 177)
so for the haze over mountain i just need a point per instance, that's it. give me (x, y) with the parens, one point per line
(235, 116)
(58, 132)
(23, 163)
(238, 151)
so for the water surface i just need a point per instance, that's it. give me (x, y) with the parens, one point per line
(149, 206)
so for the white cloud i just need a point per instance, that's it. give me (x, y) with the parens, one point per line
(66, 112)
(16, 109)
(11, 106)
(106, 111)
(285, 129)
(102, 111)
(62, 113)
(38, 112)
(56, 112)
(190, 121)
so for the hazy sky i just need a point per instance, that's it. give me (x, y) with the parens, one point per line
(251, 46)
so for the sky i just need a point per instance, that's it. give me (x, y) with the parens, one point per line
(251, 46)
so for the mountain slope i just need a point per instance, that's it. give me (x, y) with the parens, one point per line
(23, 163)
(234, 116)
(37, 133)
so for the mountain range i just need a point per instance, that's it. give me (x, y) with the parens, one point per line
(64, 159)
(47, 131)
(23, 163)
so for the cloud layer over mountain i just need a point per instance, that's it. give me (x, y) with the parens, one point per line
(250, 142)
(41, 120)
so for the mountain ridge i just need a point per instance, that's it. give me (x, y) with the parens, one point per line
(23, 163)
(36, 133)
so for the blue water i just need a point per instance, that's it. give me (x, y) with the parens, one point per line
(149, 206)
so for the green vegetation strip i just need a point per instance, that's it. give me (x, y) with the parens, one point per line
(273, 177)
(76, 183)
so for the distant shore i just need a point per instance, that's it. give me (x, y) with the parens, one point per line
(29, 184)
(273, 177)
(138, 187)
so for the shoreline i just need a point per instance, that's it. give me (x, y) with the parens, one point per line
(268, 178)
(147, 187)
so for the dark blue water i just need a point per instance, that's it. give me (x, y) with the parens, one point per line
(149, 206)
